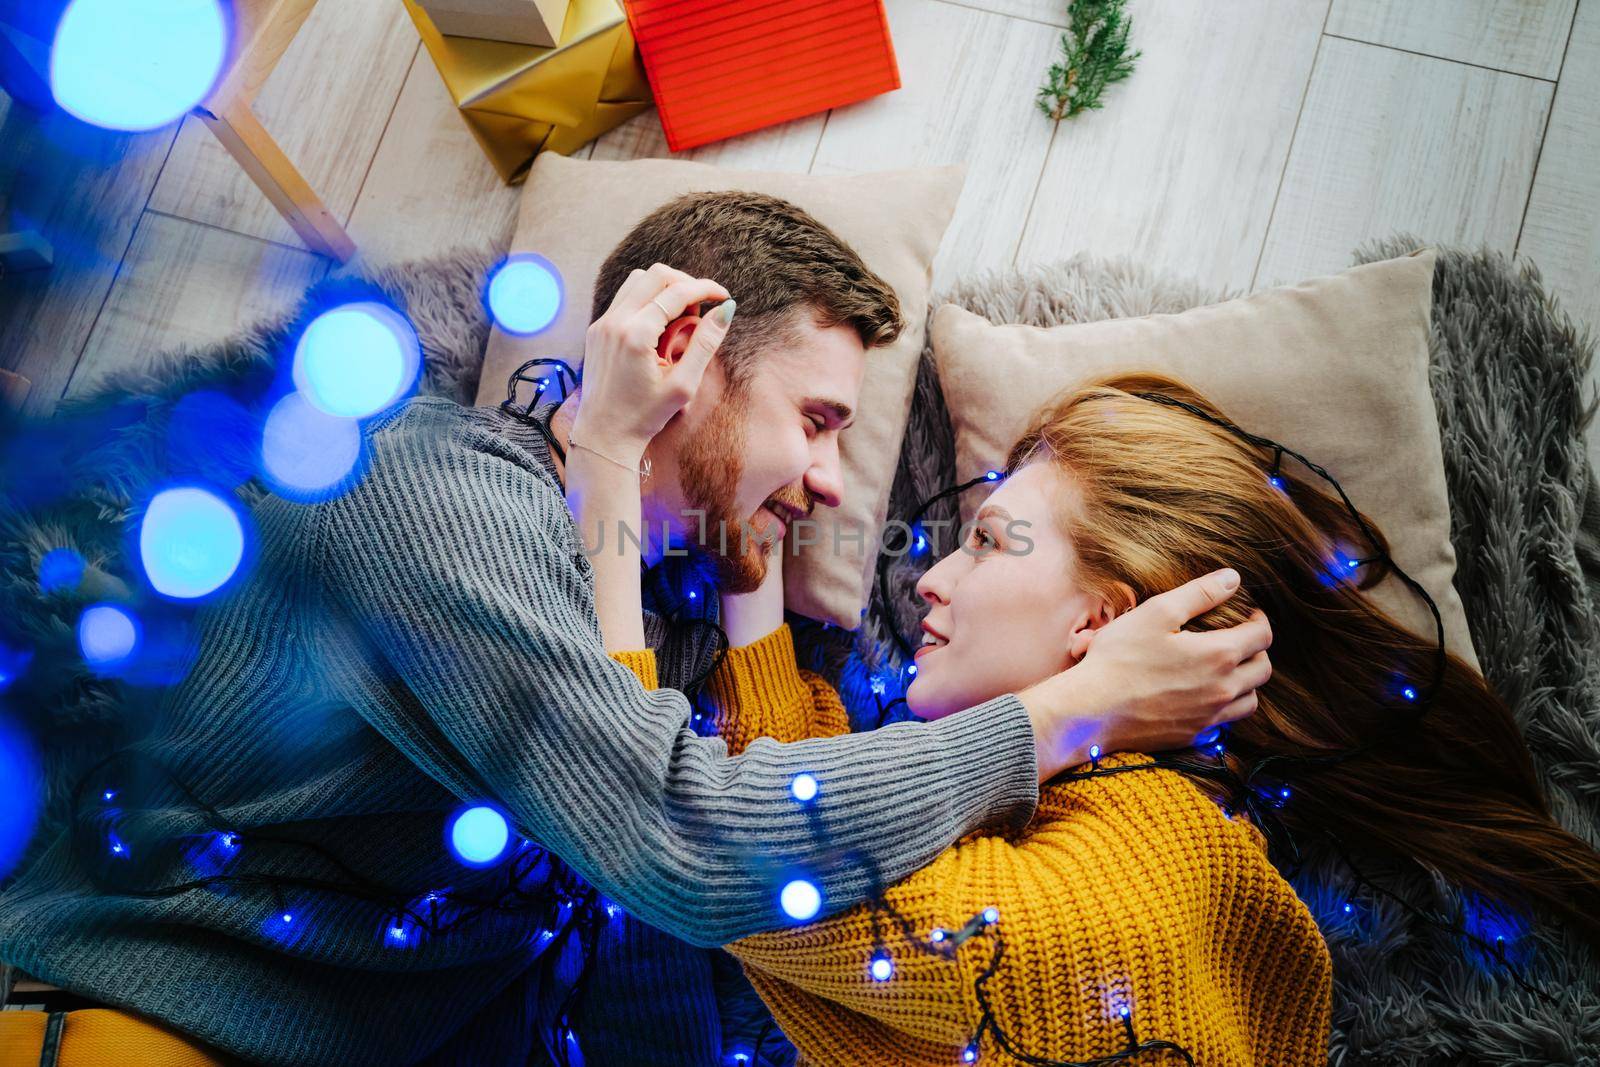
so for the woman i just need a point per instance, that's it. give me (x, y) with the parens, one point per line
(1137, 910)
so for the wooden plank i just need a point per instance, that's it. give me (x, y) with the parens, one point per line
(188, 284)
(431, 187)
(263, 31)
(1390, 141)
(968, 80)
(788, 146)
(1520, 36)
(1561, 233)
(239, 131)
(326, 104)
(1180, 168)
(1053, 12)
(82, 188)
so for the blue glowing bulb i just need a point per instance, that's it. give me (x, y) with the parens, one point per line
(1348, 907)
(1123, 1011)
(693, 595)
(991, 915)
(1275, 481)
(136, 64)
(1409, 693)
(190, 542)
(60, 569)
(479, 835)
(305, 452)
(882, 967)
(357, 359)
(912, 669)
(230, 840)
(992, 475)
(13, 662)
(397, 934)
(117, 846)
(287, 917)
(800, 900)
(804, 787)
(1284, 792)
(109, 795)
(937, 935)
(1094, 751)
(107, 635)
(970, 1053)
(525, 294)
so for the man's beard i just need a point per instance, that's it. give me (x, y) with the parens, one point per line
(710, 465)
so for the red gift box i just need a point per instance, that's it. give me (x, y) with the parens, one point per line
(718, 69)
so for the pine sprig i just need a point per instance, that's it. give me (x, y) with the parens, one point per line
(1094, 55)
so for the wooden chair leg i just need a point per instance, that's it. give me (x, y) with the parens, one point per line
(13, 391)
(242, 134)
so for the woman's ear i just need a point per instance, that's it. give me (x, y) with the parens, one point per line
(1104, 612)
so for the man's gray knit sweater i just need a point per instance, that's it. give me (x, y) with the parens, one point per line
(426, 639)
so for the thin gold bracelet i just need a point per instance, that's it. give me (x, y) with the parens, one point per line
(643, 470)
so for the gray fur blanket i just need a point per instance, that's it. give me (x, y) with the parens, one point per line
(1507, 374)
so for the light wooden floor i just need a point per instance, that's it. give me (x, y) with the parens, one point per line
(1258, 142)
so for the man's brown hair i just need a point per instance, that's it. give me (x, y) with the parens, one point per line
(774, 258)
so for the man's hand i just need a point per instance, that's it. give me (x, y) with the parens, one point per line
(1146, 684)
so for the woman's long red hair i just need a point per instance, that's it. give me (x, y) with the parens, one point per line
(1163, 496)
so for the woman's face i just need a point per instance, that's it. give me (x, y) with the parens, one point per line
(1007, 603)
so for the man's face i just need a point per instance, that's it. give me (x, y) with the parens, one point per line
(755, 459)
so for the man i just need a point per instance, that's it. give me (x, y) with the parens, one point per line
(429, 639)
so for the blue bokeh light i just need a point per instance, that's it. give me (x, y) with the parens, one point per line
(357, 359)
(307, 454)
(107, 635)
(479, 835)
(19, 769)
(800, 900)
(136, 64)
(60, 570)
(13, 662)
(525, 294)
(191, 542)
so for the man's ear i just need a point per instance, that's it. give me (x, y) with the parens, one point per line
(675, 339)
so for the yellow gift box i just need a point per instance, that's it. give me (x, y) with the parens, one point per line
(519, 100)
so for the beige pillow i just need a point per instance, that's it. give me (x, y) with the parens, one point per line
(575, 211)
(1335, 368)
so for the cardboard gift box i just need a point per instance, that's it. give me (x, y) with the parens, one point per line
(520, 100)
(720, 68)
(535, 22)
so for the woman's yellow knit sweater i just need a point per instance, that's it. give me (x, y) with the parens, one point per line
(1131, 890)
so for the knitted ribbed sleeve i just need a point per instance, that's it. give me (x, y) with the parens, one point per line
(1132, 890)
(455, 561)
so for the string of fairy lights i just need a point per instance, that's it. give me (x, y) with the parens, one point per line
(311, 447)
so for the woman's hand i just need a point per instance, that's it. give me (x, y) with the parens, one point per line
(1146, 684)
(630, 389)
